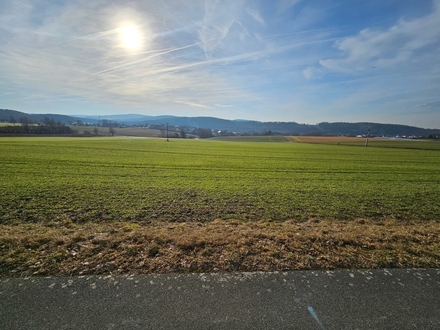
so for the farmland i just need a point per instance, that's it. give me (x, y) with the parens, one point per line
(124, 205)
(126, 131)
(373, 142)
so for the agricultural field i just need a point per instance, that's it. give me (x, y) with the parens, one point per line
(118, 131)
(276, 138)
(373, 142)
(133, 205)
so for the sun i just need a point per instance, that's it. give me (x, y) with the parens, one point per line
(130, 36)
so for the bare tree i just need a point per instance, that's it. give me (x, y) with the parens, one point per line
(25, 122)
(204, 133)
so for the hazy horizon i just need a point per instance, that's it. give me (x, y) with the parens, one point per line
(286, 60)
(121, 118)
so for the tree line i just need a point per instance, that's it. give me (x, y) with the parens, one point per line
(27, 126)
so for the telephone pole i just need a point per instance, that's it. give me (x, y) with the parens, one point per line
(167, 133)
(368, 136)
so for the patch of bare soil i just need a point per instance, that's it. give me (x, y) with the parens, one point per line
(218, 246)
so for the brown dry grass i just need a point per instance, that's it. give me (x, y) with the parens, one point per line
(218, 246)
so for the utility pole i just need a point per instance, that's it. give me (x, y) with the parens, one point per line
(167, 133)
(368, 136)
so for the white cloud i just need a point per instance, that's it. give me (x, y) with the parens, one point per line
(193, 104)
(216, 55)
(433, 106)
(255, 15)
(309, 72)
(374, 48)
(217, 21)
(206, 52)
(36, 96)
(75, 50)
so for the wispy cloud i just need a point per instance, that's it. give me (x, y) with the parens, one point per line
(378, 48)
(35, 96)
(433, 106)
(231, 58)
(255, 15)
(308, 72)
(217, 22)
(193, 104)
(302, 32)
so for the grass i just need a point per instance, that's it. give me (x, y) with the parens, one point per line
(373, 142)
(66, 249)
(252, 138)
(118, 205)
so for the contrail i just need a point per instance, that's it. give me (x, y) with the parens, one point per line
(301, 32)
(96, 35)
(146, 58)
(163, 26)
(245, 56)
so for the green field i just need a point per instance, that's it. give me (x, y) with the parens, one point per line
(276, 138)
(112, 205)
(145, 180)
(400, 144)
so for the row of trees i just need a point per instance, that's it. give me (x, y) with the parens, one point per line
(203, 133)
(111, 130)
(48, 126)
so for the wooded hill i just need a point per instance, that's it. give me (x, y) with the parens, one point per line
(238, 126)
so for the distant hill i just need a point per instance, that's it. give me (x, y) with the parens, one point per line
(241, 126)
(375, 129)
(6, 115)
(130, 119)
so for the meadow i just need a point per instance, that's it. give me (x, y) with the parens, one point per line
(123, 205)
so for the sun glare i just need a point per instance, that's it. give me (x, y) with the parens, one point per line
(130, 37)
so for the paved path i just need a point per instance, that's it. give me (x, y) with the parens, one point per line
(372, 299)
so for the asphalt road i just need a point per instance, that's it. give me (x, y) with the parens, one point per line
(367, 299)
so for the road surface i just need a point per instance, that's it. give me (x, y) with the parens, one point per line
(352, 299)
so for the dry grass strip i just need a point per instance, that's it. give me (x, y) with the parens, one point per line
(218, 246)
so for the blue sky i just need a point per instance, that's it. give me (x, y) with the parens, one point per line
(285, 60)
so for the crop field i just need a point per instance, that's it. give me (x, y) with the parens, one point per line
(276, 138)
(373, 142)
(118, 131)
(134, 205)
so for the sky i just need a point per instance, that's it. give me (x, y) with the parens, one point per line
(279, 60)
